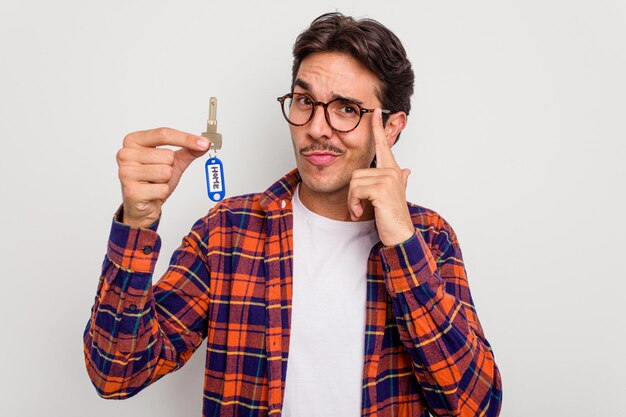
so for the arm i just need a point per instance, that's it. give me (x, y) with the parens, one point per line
(438, 325)
(137, 333)
(436, 319)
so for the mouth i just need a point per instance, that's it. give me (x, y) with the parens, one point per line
(320, 158)
(321, 155)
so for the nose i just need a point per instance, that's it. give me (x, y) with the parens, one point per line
(318, 127)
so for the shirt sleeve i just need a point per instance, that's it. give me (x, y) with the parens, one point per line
(138, 332)
(439, 327)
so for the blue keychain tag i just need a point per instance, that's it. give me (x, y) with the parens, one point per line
(215, 179)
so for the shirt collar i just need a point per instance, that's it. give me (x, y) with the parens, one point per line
(281, 190)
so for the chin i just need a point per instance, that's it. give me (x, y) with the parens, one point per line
(323, 184)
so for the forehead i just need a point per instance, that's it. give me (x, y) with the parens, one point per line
(326, 75)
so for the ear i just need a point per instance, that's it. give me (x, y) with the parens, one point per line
(395, 124)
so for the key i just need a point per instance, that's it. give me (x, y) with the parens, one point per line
(211, 125)
(214, 168)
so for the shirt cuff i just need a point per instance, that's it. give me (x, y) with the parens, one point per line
(408, 264)
(132, 248)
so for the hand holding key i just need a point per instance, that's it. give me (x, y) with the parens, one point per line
(150, 174)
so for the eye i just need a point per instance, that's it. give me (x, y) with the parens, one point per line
(303, 100)
(348, 108)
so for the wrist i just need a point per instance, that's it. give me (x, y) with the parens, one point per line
(141, 222)
(400, 237)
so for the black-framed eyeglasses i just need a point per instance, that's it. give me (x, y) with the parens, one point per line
(342, 115)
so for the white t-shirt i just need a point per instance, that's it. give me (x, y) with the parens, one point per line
(326, 348)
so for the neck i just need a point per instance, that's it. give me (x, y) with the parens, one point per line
(331, 205)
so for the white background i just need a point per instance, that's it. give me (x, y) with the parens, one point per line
(517, 137)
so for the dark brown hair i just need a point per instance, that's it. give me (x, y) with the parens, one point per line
(369, 42)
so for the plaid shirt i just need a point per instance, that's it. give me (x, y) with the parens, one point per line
(230, 281)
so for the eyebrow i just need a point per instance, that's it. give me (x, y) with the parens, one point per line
(306, 86)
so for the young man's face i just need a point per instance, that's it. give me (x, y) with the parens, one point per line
(326, 158)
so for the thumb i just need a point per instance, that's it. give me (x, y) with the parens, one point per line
(184, 157)
(356, 210)
(405, 174)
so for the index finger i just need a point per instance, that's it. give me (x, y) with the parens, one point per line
(165, 136)
(384, 156)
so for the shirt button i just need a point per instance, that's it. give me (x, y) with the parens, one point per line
(386, 268)
(147, 250)
(283, 203)
(133, 307)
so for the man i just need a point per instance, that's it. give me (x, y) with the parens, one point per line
(328, 294)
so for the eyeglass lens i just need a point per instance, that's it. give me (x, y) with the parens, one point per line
(341, 114)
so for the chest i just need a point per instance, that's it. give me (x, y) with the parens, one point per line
(250, 315)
